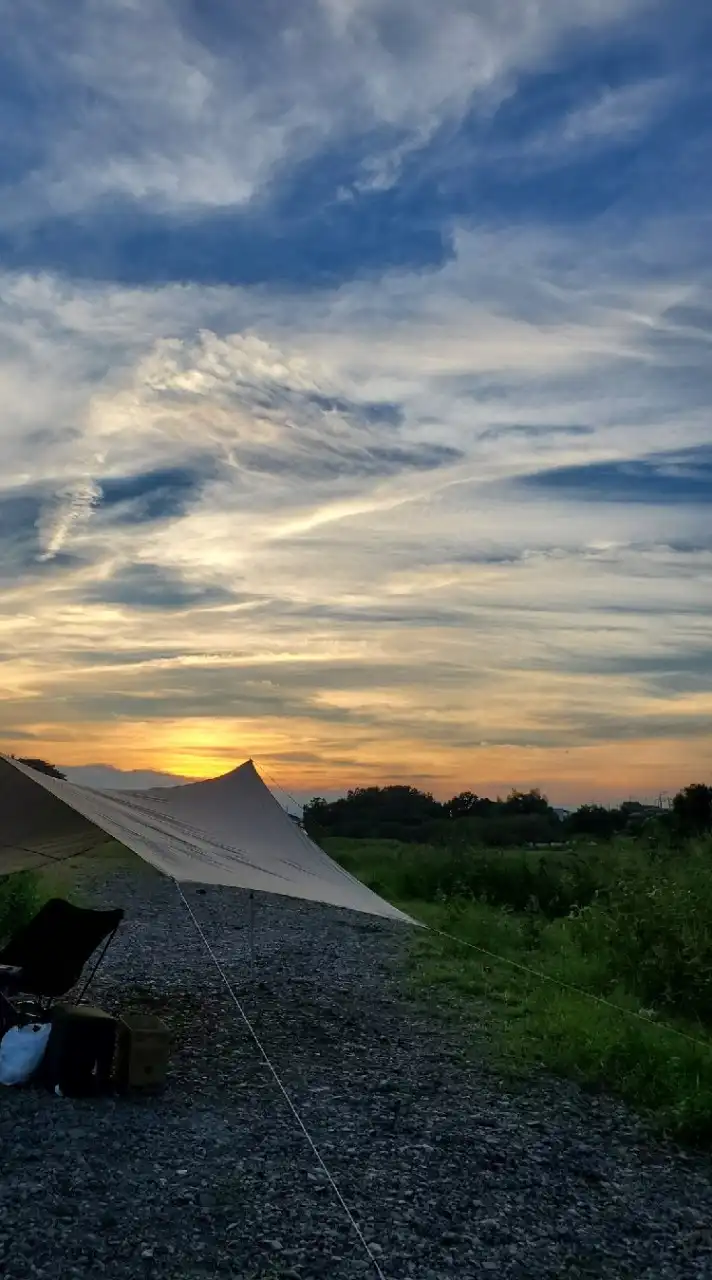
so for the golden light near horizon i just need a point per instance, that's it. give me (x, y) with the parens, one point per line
(298, 759)
(330, 689)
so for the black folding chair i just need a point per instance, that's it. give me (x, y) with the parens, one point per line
(46, 959)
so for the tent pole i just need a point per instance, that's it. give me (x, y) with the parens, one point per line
(252, 935)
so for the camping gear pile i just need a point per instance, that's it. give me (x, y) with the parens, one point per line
(72, 1049)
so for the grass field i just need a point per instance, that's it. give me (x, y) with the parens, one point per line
(641, 940)
(22, 894)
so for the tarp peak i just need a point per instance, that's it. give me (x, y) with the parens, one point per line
(229, 830)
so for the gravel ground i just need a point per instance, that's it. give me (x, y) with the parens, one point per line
(448, 1172)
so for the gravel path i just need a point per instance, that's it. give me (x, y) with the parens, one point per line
(448, 1174)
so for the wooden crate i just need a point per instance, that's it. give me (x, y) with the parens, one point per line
(143, 1052)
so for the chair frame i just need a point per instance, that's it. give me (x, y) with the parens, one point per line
(12, 1013)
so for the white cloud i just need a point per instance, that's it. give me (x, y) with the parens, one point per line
(614, 115)
(383, 605)
(178, 115)
(516, 336)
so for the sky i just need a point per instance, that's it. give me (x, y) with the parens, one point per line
(355, 377)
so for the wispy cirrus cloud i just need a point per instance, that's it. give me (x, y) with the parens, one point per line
(613, 117)
(65, 511)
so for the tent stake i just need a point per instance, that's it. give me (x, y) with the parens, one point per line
(252, 935)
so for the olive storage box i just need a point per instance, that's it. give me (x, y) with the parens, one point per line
(143, 1051)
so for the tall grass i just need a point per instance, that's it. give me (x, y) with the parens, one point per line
(655, 927)
(23, 893)
(21, 896)
(629, 925)
(548, 882)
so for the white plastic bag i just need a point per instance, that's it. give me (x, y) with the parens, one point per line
(22, 1050)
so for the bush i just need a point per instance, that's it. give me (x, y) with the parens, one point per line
(655, 927)
(21, 897)
(499, 830)
(692, 809)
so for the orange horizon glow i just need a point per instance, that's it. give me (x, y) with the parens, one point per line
(601, 773)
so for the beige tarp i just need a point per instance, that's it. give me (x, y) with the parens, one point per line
(229, 830)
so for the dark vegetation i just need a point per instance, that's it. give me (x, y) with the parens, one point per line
(615, 905)
(524, 817)
(22, 894)
(40, 766)
(21, 897)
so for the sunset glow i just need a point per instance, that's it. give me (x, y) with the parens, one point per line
(360, 425)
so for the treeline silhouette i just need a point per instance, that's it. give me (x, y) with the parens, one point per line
(40, 766)
(523, 817)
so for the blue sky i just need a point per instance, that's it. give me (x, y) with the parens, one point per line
(355, 372)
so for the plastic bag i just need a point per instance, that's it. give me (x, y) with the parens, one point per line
(21, 1052)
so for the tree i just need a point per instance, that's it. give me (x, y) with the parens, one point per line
(41, 766)
(395, 812)
(692, 809)
(595, 821)
(315, 814)
(526, 803)
(468, 805)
